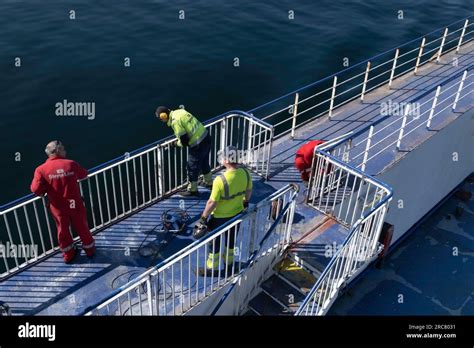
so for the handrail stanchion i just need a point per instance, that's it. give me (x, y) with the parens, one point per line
(433, 106)
(364, 86)
(440, 51)
(149, 295)
(223, 134)
(404, 122)
(392, 73)
(456, 99)
(420, 53)
(295, 112)
(366, 153)
(160, 169)
(272, 134)
(462, 35)
(333, 96)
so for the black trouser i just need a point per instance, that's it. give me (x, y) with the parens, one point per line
(198, 159)
(215, 223)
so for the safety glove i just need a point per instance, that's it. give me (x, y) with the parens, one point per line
(200, 228)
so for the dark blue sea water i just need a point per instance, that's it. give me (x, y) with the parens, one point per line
(173, 62)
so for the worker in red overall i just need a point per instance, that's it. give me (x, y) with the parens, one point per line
(58, 177)
(304, 159)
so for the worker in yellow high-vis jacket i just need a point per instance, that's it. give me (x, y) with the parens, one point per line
(231, 192)
(190, 132)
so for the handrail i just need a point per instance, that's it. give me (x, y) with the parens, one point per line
(344, 90)
(141, 150)
(257, 251)
(325, 152)
(134, 181)
(191, 249)
(23, 202)
(249, 113)
(353, 66)
(412, 101)
(327, 165)
(152, 269)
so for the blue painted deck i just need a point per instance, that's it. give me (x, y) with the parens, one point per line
(54, 288)
(438, 283)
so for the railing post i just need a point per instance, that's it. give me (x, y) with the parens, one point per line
(442, 44)
(378, 226)
(269, 158)
(462, 35)
(295, 112)
(366, 153)
(290, 216)
(392, 73)
(250, 143)
(433, 106)
(159, 160)
(420, 53)
(366, 77)
(149, 295)
(223, 134)
(253, 234)
(404, 122)
(333, 96)
(456, 99)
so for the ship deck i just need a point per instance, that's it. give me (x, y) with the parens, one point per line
(443, 246)
(53, 288)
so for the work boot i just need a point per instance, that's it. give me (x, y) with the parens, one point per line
(207, 182)
(191, 190)
(228, 256)
(90, 252)
(212, 265)
(70, 255)
(212, 261)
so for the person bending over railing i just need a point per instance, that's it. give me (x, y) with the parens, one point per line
(304, 159)
(230, 195)
(58, 177)
(190, 132)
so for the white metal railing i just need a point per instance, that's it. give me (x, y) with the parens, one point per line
(340, 186)
(340, 191)
(356, 201)
(174, 287)
(125, 185)
(359, 248)
(381, 137)
(323, 97)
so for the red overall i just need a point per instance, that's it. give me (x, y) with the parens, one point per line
(58, 178)
(304, 158)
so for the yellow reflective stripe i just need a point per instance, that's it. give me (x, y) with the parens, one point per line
(227, 195)
(226, 187)
(198, 140)
(248, 177)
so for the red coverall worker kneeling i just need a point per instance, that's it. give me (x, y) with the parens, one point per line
(304, 159)
(58, 178)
